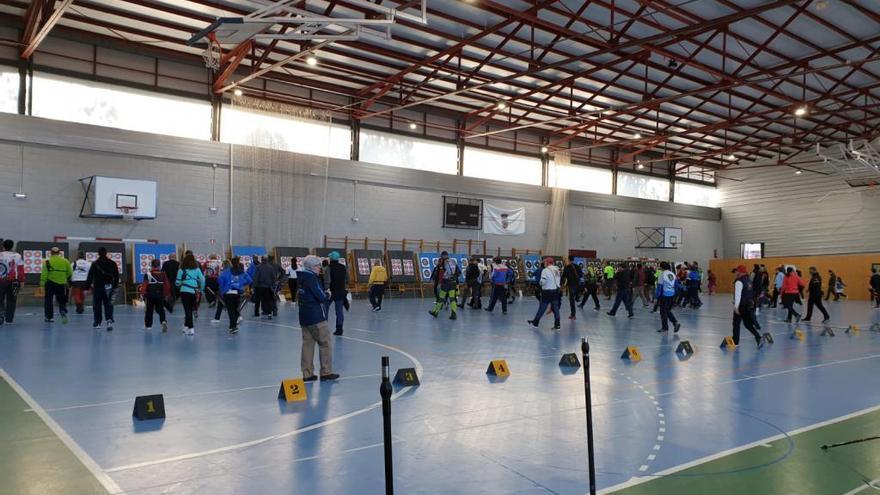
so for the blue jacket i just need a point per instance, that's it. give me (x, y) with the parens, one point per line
(228, 281)
(312, 299)
(499, 274)
(191, 280)
(694, 275)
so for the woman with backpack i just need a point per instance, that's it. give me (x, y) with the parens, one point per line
(156, 288)
(233, 280)
(190, 282)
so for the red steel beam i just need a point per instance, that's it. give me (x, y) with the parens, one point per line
(38, 33)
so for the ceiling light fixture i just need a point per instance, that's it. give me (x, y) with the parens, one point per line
(238, 92)
(798, 172)
(412, 125)
(19, 195)
(637, 136)
(501, 105)
(800, 111)
(312, 60)
(731, 157)
(544, 149)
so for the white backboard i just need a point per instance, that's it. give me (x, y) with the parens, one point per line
(110, 192)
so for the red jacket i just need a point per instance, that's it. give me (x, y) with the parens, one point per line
(792, 284)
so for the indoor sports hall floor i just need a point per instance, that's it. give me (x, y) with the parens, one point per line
(720, 422)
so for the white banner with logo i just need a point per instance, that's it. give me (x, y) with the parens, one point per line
(501, 221)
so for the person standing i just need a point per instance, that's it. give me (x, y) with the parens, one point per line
(291, 280)
(499, 279)
(713, 282)
(832, 283)
(840, 289)
(232, 281)
(692, 286)
(550, 295)
(313, 303)
(337, 282)
(445, 276)
(608, 273)
(591, 287)
(875, 287)
(211, 268)
(638, 285)
(264, 279)
(512, 277)
(743, 311)
(54, 277)
(103, 279)
(623, 279)
(171, 267)
(255, 294)
(665, 294)
(650, 281)
(378, 280)
(790, 290)
(190, 281)
(11, 280)
(814, 296)
(777, 286)
(571, 281)
(81, 268)
(155, 289)
(471, 275)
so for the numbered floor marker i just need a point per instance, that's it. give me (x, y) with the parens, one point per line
(631, 353)
(828, 332)
(798, 334)
(685, 348)
(570, 360)
(728, 343)
(406, 377)
(149, 407)
(498, 367)
(292, 390)
(768, 338)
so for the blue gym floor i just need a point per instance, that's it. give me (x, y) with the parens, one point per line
(459, 432)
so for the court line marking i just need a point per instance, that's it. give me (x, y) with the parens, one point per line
(872, 485)
(252, 443)
(187, 396)
(103, 478)
(718, 455)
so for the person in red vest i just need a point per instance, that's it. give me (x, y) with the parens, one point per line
(791, 289)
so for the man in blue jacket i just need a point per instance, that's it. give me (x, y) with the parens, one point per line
(313, 303)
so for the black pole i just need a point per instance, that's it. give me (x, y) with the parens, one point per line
(385, 392)
(585, 350)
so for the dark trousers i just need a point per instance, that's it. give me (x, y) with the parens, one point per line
(499, 293)
(745, 315)
(875, 293)
(102, 304)
(339, 305)
(693, 295)
(291, 284)
(572, 300)
(788, 303)
(625, 297)
(591, 291)
(666, 303)
(266, 297)
(549, 298)
(188, 299)
(8, 293)
(377, 292)
(816, 300)
(774, 298)
(477, 295)
(57, 292)
(154, 305)
(214, 286)
(830, 292)
(231, 301)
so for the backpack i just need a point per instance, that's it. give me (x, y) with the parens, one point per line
(155, 287)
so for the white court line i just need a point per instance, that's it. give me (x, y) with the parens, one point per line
(681, 467)
(228, 448)
(187, 396)
(875, 484)
(62, 435)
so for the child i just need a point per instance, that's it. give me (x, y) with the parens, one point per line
(155, 288)
(713, 281)
(839, 287)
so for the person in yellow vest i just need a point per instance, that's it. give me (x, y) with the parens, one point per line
(54, 276)
(378, 279)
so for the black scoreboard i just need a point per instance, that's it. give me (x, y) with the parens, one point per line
(462, 213)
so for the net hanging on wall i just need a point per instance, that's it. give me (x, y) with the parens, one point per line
(280, 197)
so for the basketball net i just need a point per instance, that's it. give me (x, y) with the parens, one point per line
(213, 52)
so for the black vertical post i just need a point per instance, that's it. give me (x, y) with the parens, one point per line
(585, 350)
(385, 392)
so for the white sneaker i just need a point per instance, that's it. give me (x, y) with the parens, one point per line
(184, 330)
(215, 321)
(191, 332)
(240, 319)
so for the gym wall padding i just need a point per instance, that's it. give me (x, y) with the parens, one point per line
(854, 268)
(364, 260)
(33, 253)
(402, 268)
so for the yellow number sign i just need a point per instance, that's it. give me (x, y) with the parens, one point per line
(292, 390)
(498, 367)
